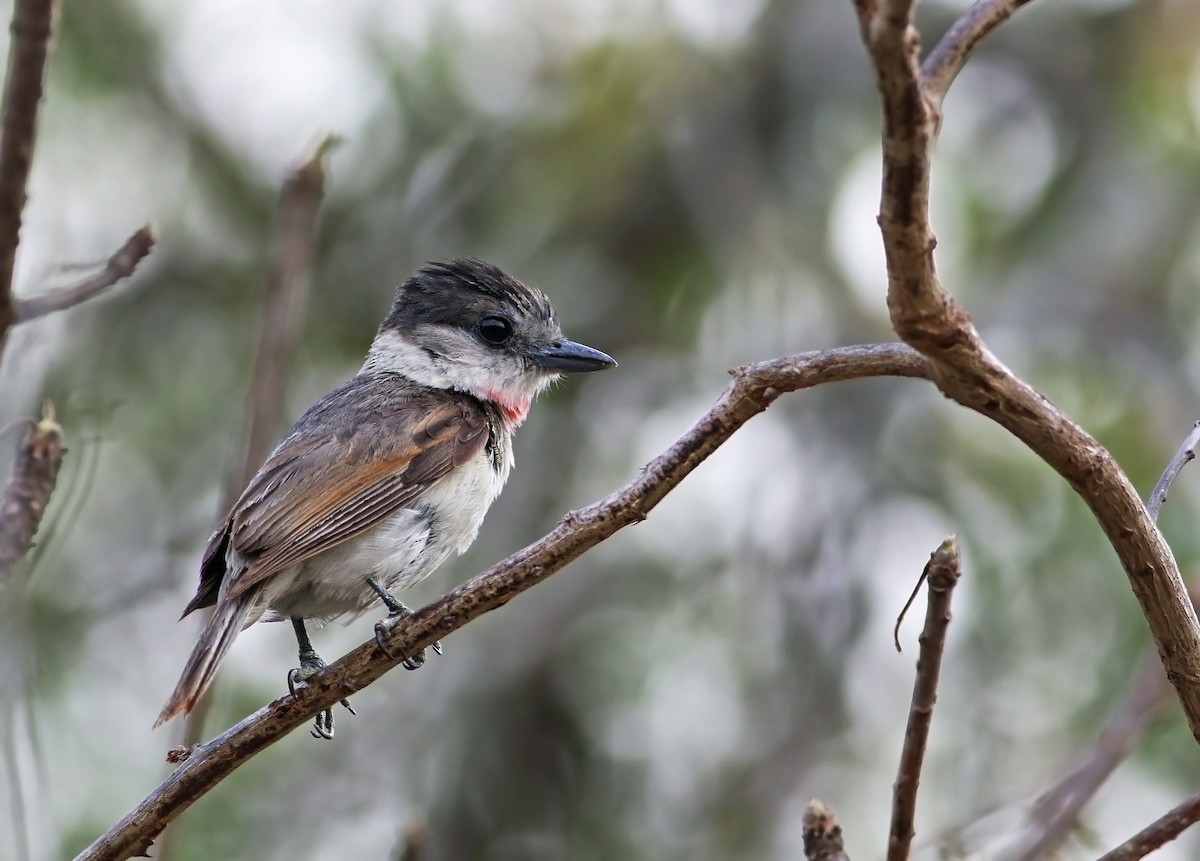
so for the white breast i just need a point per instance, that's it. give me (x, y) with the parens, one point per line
(459, 501)
(399, 551)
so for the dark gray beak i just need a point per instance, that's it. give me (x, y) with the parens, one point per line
(571, 358)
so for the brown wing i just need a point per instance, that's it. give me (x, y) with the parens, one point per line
(212, 569)
(345, 467)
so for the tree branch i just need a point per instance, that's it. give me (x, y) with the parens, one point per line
(754, 388)
(950, 54)
(942, 572)
(120, 266)
(30, 28)
(927, 317)
(1161, 831)
(27, 493)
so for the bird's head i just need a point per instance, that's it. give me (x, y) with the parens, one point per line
(466, 326)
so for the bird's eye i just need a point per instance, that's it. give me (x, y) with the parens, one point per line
(495, 330)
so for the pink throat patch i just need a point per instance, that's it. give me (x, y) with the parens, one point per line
(514, 411)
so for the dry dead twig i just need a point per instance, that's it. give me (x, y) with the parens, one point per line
(119, 267)
(941, 573)
(1163, 830)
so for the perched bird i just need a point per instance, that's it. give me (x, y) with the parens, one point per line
(387, 475)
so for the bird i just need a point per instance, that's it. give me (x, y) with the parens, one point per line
(386, 476)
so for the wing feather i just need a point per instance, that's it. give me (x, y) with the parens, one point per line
(330, 481)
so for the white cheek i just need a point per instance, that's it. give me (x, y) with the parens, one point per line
(469, 368)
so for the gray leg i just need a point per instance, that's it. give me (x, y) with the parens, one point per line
(396, 612)
(310, 665)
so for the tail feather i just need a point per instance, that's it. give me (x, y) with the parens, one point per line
(218, 635)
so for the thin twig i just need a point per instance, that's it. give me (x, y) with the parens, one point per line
(1162, 831)
(822, 833)
(953, 50)
(925, 316)
(284, 297)
(30, 28)
(753, 389)
(942, 573)
(1185, 454)
(1056, 811)
(27, 493)
(119, 267)
(908, 604)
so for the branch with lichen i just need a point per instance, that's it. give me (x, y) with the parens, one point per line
(27, 493)
(822, 834)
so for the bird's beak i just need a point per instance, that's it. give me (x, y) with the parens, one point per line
(571, 358)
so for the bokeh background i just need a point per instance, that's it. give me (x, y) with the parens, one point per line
(694, 182)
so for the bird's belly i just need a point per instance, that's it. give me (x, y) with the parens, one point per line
(394, 553)
(398, 552)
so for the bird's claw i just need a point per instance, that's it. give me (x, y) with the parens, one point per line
(310, 665)
(384, 627)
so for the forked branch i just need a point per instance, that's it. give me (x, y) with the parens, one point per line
(931, 320)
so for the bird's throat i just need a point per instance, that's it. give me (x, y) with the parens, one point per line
(515, 409)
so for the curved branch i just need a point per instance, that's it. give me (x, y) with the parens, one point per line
(1146, 695)
(952, 51)
(754, 388)
(927, 317)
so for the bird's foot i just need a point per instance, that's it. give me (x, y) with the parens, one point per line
(396, 612)
(310, 665)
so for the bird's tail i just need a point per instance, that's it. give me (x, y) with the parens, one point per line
(218, 635)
